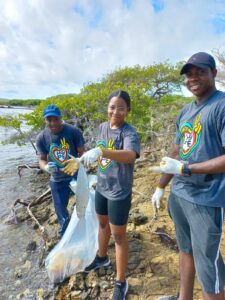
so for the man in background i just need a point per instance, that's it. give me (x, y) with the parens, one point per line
(55, 144)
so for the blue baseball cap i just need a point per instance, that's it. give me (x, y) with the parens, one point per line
(201, 60)
(51, 111)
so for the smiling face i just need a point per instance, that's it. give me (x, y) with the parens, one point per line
(54, 124)
(117, 112)
(200, 82)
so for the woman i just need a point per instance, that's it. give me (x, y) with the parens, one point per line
(117, 149)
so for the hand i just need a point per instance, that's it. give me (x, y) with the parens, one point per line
(71, 166)
(157, 197)
(91, 156)
(169, 165)
(51, 167)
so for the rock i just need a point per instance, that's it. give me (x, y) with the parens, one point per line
(23, 258)
(17, 282)
(18, 273)
(95, 292)
(40, 294)
(75, 293)
(31, 246)
(27, 265)
(104, 285)
(137, 218)
(77, 282)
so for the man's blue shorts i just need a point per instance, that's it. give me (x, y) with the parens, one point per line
(199, 232)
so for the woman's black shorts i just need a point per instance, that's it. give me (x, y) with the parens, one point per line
(117, 210)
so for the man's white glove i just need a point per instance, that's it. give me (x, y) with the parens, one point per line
(157, 197)
(50, 167)
(90, 156)
(169, 165)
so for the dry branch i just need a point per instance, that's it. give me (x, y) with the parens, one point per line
(26, 166)
(12, 216)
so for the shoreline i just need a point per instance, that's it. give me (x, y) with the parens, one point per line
(16, 107)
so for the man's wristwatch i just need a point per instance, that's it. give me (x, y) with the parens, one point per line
(185, 171)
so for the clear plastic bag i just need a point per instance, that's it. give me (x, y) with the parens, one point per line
(82, 191)
(79, 244)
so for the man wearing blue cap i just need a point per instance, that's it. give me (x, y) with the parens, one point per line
(197, 195)
(55, 144)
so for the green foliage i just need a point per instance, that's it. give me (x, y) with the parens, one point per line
(155, 81)
(14, 122)
(153, 90)
(175, 99)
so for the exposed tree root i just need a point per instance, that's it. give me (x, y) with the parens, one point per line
(26, 166)
(12, 216)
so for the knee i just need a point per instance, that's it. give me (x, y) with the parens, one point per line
(103, 225)
(119, 238)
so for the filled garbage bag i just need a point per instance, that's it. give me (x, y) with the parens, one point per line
(79, 244)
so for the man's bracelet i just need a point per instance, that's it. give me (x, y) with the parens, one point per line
(185, 171)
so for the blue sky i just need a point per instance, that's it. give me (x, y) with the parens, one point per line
(48, 47)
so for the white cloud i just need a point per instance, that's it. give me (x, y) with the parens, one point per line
(52, 46)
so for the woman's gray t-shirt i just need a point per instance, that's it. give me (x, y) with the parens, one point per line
(115, 179)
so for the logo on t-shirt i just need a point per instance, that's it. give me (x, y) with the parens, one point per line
(190, 136)
(59, 153)
(105, 163)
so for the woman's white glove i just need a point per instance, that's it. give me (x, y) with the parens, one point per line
(50, 167)
(157, 197)
(91, 156)
(169, 165)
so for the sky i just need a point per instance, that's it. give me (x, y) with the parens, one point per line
(50, 47)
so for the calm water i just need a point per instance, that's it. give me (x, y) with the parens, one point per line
(12, 156)
(15, 238)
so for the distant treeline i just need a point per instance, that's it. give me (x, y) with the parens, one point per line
(19, 102)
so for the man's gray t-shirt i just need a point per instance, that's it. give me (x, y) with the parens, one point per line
(115, 179)
(201, 136)
(58, 147)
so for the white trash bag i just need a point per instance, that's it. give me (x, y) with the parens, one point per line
(82, 191)
(79, 244)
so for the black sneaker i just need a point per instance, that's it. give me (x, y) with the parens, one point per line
(97, 263)
(120, 290)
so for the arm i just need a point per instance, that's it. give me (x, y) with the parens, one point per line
(80, 151)
(212, 166)
(79, 142)
(121, 156)
(169, 165)
(127, 155)
(48, 167)
(42, 161)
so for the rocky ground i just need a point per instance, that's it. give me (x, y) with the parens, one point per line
(153, 258)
